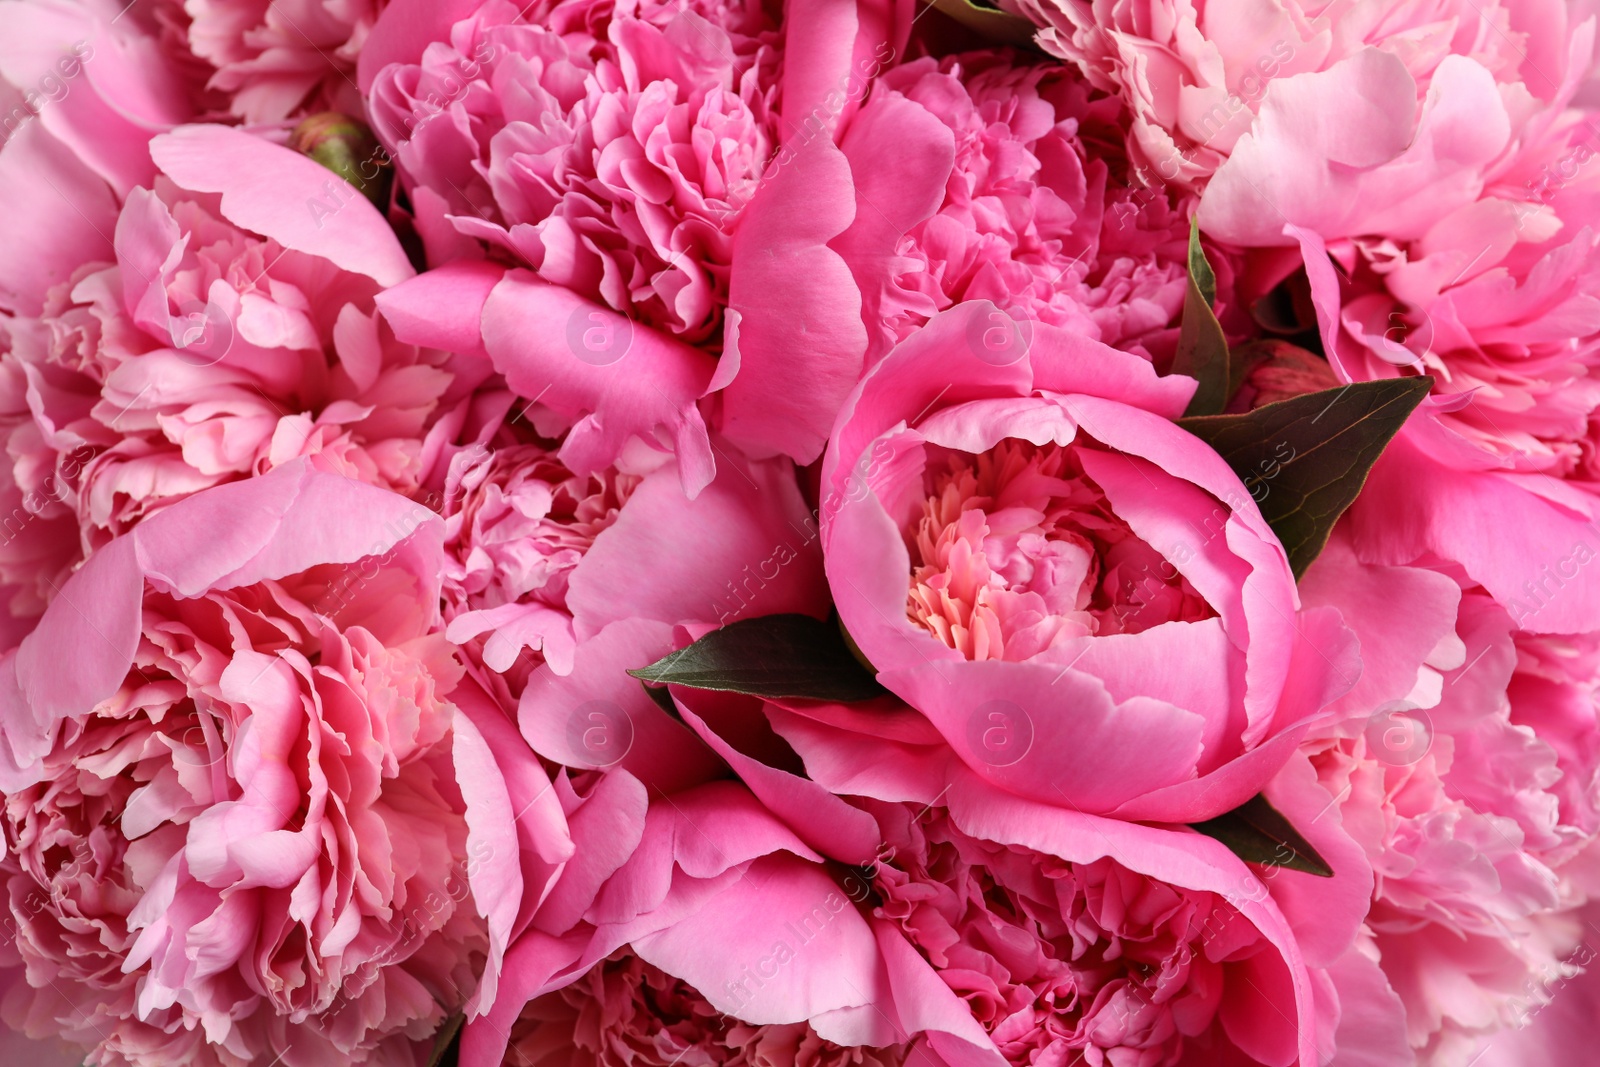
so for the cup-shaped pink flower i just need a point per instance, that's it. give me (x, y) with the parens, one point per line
(1079, 594)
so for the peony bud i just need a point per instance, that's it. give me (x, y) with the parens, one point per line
(1277, 370)
(347, 147)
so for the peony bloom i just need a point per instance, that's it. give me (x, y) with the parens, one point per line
(1463, 227)
(624, 1009)
(1013, 527)
(607, 148)
(216, 339)
(276, 60)
(1195, 74)
(1027, 204)
(231, 822)
(1465, 768)
(1066, 937)
(1060, 961)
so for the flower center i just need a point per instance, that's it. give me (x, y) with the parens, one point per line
(1017, 549)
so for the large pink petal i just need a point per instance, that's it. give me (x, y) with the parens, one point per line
(123, 93)
(1053, 734)
(795, 341)
(1534, 555)
(539, 336)
(599, 716)
(745, 546)
(442, 308)
(281, 194)
(59, 216)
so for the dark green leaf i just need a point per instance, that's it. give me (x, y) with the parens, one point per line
(661, 698)
(1304, 460)
(772, 656)
(447, 1043)
(1202, 348)
(990, 22)
(1257, 832)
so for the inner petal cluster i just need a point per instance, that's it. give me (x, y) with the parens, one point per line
(1018, 549)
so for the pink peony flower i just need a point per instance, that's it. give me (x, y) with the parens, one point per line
(1485, 282)
(1011, 525)
(1026, 206)
(608, 148)
(1066, 937)
(215, 340)
(275, 60)
(1060, 961)
(624, 1009)
(231, 823)
(1195, 75)
(1466, 771)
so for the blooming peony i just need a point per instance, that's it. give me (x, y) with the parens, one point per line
(1033, 214)
(1012, 526)
(1061, 960)
(1195, 74)
(199, 351)
(231, 822)
(609, 148)
(1466, 771)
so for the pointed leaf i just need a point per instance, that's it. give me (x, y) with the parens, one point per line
(772, 656)
(661, 698)
(1257, 832)
(1202, 348)
(989, 22)
(1304, 460)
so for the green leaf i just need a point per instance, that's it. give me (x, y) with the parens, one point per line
(1257, 832)
(1304, 460)
(990, 22)
(447, 1042)
(1202, 348)
(773, 656)
(661, 698)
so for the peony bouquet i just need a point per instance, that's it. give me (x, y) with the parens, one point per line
(827, 533)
